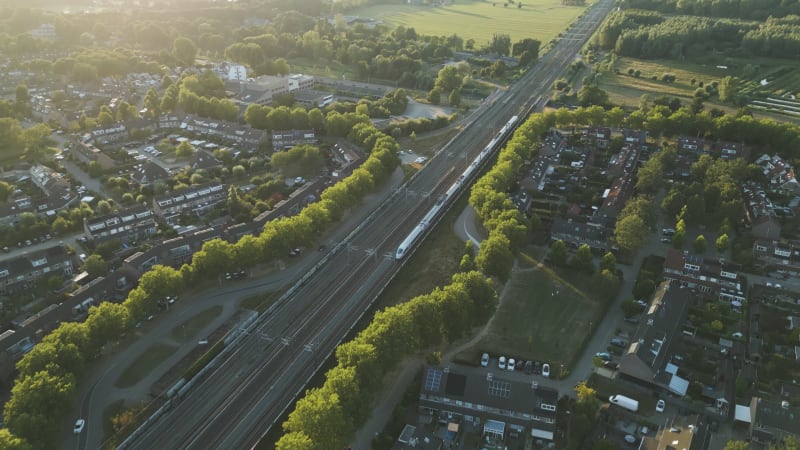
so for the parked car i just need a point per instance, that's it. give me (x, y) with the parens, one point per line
(546, 370)
(79, 424)
(605, 356)
(617, 342)
(634, 319)
(537, 368)
(512, 364)
(665, 240)
(528, 367)
(294, 252)
(484, 360)
(501, 362)
(661, 405)
(630, 439)
(610, 365)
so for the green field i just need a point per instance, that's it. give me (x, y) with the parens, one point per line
(191, 326)
(627, 90)
(542, 317)
(141, 366)
(478, 20)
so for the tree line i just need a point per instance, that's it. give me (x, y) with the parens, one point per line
(648, 34)
(47, 378)
(737, 9)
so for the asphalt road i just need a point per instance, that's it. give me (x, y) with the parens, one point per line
(258, 379)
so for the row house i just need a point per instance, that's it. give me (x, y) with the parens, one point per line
(780, 173)
(576, 234)
(129, 225)
(21, 272)
(87, 153)
(289, 138)
(760, 212)
(783, 255)
(225, 131)
(599, 136)
(197, 200)
(109, 135)
(648, 359)
(501, 406)
(713, 277)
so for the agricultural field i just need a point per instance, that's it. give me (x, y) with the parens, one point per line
(781, 83)
(479, 20)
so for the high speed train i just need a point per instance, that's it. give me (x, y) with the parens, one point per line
(454, 189)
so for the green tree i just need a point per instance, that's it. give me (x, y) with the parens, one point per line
(184, 50)
(295, 440)
(582, 259)
(455, 97)
(727, 88)
(494, 256)
(558, 253)
(592, 95)
(631, 232)
(319, 416)
(435, 96)
(737, 445)
(95, 266)
(184, 150)
(36, 402)
(716, 326)
(699, 245)
(722, 243)
(10, 442)
(608, 262)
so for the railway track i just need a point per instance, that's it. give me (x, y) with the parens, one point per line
(250, 389)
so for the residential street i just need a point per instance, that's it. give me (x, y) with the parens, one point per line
(96, 390)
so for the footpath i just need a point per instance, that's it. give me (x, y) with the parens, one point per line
(399, 380)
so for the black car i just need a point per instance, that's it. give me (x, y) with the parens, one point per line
(528, 367)
(622, 343)
(537, 368)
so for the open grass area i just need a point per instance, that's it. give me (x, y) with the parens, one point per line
(543, 317)
(431, 266)
(141, 366)
(191, 326)
(261, 302)
(479, 20)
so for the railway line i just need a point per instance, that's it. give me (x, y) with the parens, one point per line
(253, 385)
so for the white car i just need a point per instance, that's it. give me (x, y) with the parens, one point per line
(546, 370)
(79, 424)
(501, 362)
(660, 406)
(484, 360)
(421, 160)
(511, 364)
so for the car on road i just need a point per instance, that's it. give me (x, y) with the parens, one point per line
(171, 299)
(421, 160)
(294, 252)
(546, 370)
(668, 231)
(605, 356)
(79, 424)
(512, 364)
(501, 362)
(665, 240)
(235, 275)
(661, 405)
(484, 360)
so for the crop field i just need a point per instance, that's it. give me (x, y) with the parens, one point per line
(479, 20)
(781, 77)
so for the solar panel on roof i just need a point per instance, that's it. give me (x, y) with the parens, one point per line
(433, 380)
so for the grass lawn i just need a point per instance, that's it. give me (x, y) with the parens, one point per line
(543, 317)
(261, 302)
(189, 327)
(141, 366)
(479, 20)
